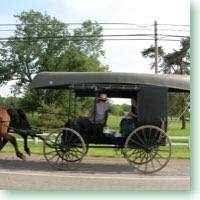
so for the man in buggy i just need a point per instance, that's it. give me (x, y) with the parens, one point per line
(98, 115)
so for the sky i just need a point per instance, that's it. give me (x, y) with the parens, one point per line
(121, 56)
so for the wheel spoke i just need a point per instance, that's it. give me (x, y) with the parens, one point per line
(52, 157)
(135, 142)
(161, 156)
(68, 149)
(138, 136)
(153, 140)
(148, 149)
(144, 136)
(51, 152)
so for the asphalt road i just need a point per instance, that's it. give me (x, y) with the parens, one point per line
(92, 174)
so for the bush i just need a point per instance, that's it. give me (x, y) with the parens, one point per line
(50, 117)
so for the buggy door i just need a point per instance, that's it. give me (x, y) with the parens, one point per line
(152, 106)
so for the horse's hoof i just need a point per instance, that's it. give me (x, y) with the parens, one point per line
(28, 152)
(23, 157)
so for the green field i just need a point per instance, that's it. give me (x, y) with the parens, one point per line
(174, 129)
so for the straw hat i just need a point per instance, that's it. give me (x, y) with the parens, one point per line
(103, 97)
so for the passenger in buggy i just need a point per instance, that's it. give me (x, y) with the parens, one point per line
(128, 122)
(98, 114)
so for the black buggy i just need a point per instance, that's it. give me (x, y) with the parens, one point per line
(147, 148)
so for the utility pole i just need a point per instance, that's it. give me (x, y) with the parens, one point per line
(156, 46)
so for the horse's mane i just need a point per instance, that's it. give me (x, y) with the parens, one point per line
(15, 119)
(23, 119)
(18, 118)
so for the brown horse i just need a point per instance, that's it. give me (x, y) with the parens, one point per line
(11, 118)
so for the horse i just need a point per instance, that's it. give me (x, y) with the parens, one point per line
(15, 120)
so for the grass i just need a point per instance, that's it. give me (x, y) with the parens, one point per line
(174, 129)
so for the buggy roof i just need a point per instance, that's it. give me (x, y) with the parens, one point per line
(84, 80)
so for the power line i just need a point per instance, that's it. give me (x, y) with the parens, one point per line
(174, 30)
(77, 23)
(110, 39)
(97, 23)
(91, 36)
(125, 26)
(76, 40)
(105, 37)
(90, 39)
(117, 29)
(173, 25)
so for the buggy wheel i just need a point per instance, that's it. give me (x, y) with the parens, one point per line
(148, 149)
(64, 149)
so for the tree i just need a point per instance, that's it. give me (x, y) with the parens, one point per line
(9, 101)
(150, 53)
(50, 117)
(177, 62)
(41, 43)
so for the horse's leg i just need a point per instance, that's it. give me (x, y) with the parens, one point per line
(26, 148)
(2, 143)
(3, 131)
(25, 137)
(14, 143)
(5, 118)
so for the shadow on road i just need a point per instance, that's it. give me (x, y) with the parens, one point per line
(84, 167)
(90, 165)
